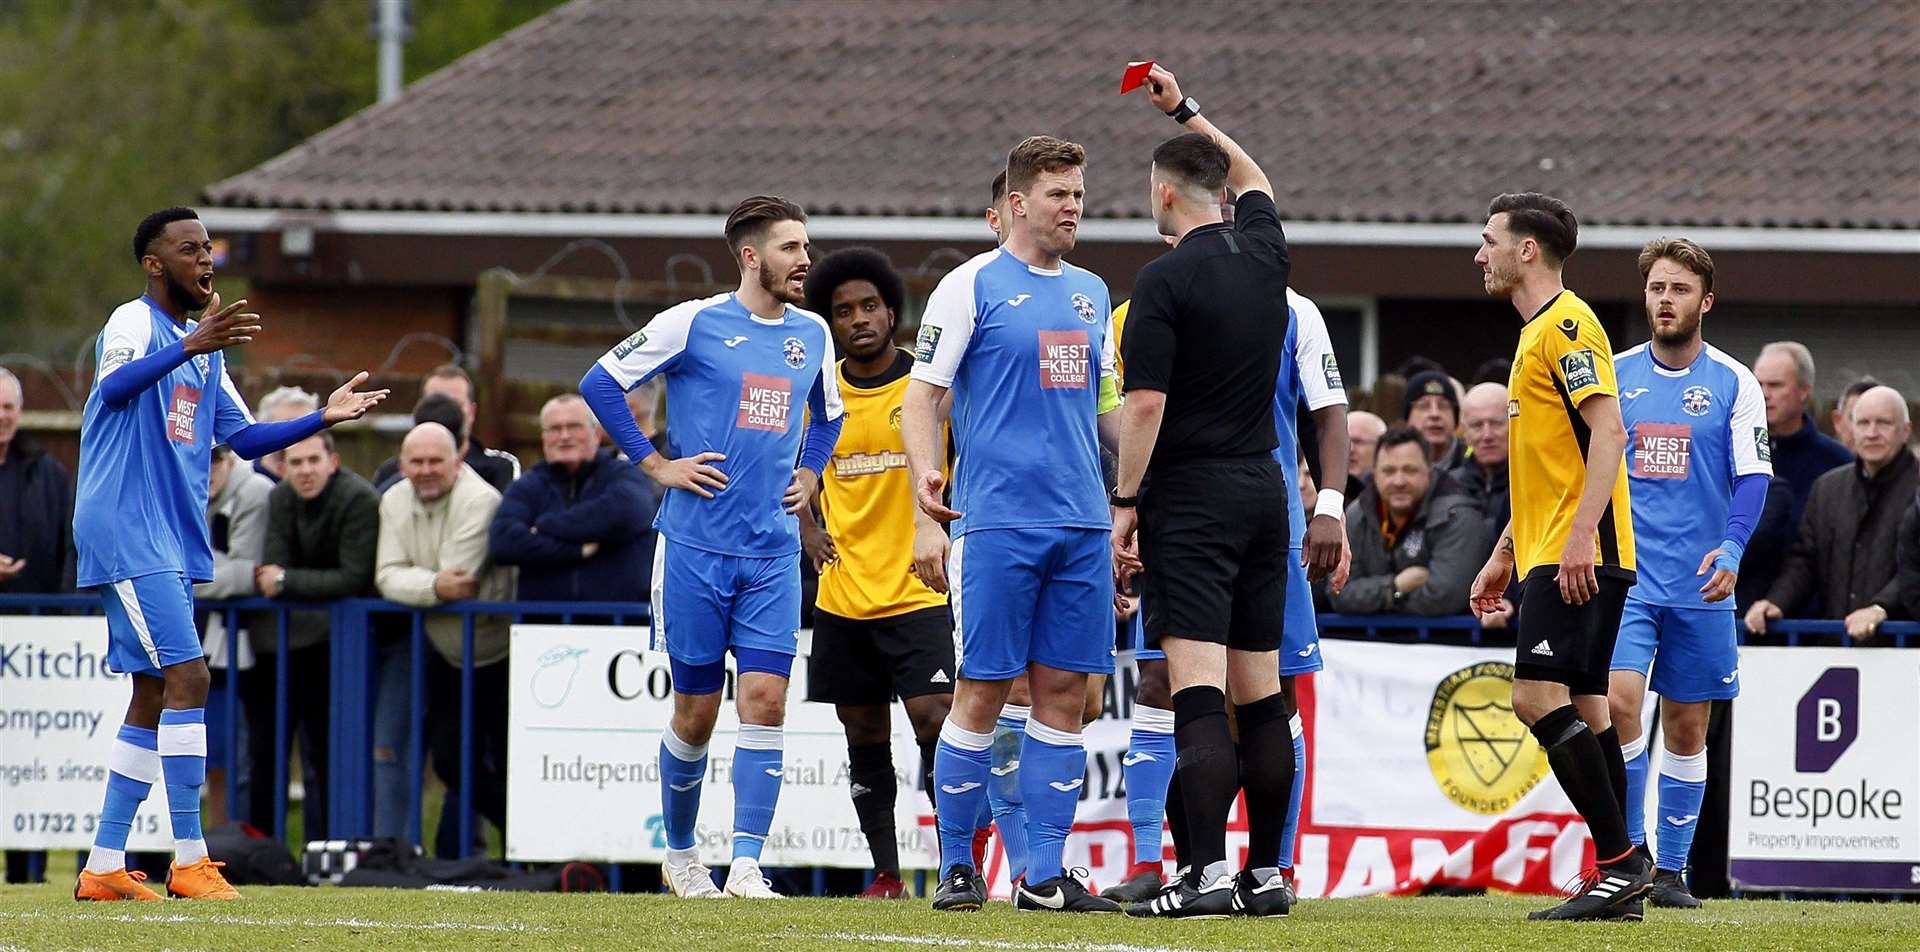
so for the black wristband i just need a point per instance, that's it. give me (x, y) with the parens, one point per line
(1187, 109)
(1118, 501)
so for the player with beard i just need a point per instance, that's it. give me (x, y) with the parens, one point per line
(1698, 468)
(726, 572)
(878, 631)
(1020, 339)
(161, 401)
(1571, 534)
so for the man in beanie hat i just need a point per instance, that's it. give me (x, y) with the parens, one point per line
(1433, 407)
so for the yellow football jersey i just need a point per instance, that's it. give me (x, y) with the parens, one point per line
(1563, 359)
(867, 500)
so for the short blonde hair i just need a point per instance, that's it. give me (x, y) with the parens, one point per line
(1038, 154)
(1682, 252)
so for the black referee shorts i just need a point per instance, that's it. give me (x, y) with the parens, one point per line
(1214, 538)
(1568, 644)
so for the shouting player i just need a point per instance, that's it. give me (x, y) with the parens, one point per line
(161, 400)
(1571, 534)
(1698, 468)
(1020, 339)
(726, 573)
(878, 632)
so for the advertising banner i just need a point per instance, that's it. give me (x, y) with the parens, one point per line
(59, 711)
(1826, 770)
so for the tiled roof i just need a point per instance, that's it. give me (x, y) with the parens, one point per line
(1718, 112)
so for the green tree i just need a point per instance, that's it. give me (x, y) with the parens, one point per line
(110, 109)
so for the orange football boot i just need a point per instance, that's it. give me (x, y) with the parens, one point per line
(106, 887)
(200, 880)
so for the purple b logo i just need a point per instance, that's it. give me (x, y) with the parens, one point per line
(1828, 720)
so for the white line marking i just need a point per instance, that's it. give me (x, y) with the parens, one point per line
(956, 942)
(230, 920)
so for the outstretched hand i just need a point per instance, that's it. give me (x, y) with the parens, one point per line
(348, 403)
(221, 327)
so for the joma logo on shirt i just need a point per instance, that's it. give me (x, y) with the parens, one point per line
(182, 412)
(1064, 359)
(1662, 450)
(764, 402)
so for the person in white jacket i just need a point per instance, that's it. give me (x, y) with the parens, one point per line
(433, 550)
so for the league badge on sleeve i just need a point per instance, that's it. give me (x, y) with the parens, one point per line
(928, 342)
(1577, 367)
(631, 344)
(1763, 445)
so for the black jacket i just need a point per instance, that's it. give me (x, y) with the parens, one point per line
(1907, 561)
(1488, 490)
(546, 517)
(1845, 550)
(327, 546)
(38, 525)
(1447, 535)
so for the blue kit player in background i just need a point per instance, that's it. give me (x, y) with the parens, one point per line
(1020, 338)
(1698, 466)
(743, 371)
(161, 401)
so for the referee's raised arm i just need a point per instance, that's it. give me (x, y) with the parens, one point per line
(1243, 173)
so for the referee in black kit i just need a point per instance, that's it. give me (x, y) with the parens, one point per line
(1197, 480)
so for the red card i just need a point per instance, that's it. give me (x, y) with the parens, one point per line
(1135, 75)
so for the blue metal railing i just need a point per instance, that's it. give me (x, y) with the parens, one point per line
(353, 660)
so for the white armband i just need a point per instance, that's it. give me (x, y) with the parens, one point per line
(1330, 502)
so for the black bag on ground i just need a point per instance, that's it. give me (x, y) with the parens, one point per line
(390, 864)
(252, 857)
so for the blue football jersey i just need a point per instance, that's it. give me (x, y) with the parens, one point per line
(141, 503)
(1690, 432)
(1308, 371)
(731, 380)
(1024, 350)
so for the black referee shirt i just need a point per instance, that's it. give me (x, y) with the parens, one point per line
(1207, 327)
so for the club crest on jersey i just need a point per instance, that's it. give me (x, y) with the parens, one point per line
(794, 351)
(1083, 306)
(202, 363)
(1577, 367)
(1696, 401)
(893, 419)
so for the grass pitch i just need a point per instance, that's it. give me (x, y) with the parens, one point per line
(336, 920)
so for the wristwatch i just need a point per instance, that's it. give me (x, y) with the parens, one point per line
(1187, 109)
(1118, 501)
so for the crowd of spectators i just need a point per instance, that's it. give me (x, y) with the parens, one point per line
(448, 519)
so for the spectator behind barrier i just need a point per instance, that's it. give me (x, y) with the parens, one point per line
(1801, 452)
(1845, 551)
(281, 403)
(1432, 406)
(1483, 474)
(575, 522)
(1412, 551)
(1907, 561)
(498, 467)
(36, 526)
(433, 550)
(36, 532)
(322, 527)
(1363, 441)
(237, 530)
(1843, 412)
